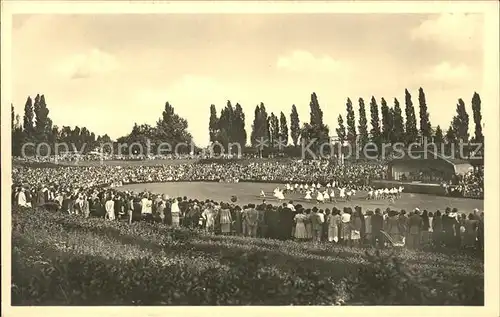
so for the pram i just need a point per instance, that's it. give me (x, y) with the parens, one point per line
(397, 244)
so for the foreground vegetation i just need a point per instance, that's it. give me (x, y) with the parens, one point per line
(66, 260)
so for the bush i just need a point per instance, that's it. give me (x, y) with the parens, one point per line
(386, 280)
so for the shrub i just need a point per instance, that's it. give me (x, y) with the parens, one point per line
(386, 280)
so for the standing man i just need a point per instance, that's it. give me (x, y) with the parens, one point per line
(377, 222)
(415, 224)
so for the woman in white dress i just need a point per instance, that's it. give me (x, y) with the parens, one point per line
(332, 195)
(348, 195)
(300, 227)
(308, 195)
(176, 212)
(333, 221)
(275, 192)
(370, 195)
(280, 195)
(326, 196)
(21, 198)
(110, 209)
(319, 198)
(342, 193)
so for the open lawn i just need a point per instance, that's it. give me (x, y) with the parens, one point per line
(67, 260)
(249, 193)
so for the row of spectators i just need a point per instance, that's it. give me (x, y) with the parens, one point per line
(69, 178)
(288, 221)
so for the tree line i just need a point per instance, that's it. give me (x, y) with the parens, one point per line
(392, 128)
(387, 125)
(269, 131)
(37, 127)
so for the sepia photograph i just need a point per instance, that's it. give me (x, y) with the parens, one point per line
(250, 154)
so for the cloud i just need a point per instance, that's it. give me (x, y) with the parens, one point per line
(303, 61)
(89, 64)
(460, 30)
(445, 72)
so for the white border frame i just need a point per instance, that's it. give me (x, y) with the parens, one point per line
(490, 103)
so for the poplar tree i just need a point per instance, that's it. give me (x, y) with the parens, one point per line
(476, 113)
(411, 124)
(294, 125)
(362, 128)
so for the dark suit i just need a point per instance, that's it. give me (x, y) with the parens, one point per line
(377, 225)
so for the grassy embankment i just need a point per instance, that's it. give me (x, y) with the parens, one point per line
(66, 260)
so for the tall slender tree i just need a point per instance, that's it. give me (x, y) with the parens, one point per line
(362, 128)
(316, 119)
(254, 137)
(476, 113)
(28, 119)
(341, 133)
(460, 124)
(387, 121)
(239, 126)
(12, 117)
(43, 124)
(294, 125)
(411, 124)
(263, 126)
(351, 123)
(399, 128)
(283, 129)
(376, 135)
(425, 124)
(316, 130)
(226, 133)
(212, 124)
(274, 130)
(16, 133)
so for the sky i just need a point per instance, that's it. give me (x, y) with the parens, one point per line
(107, 72)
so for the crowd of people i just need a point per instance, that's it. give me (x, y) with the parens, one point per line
(356, 176)
(98, 156)
(288, 221)
(85, 191)
(471, 184)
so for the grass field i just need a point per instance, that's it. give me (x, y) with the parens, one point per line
(66, 260)
(249, 193)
